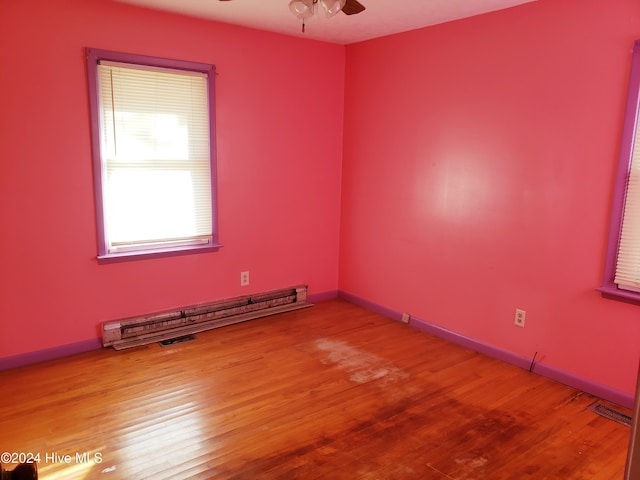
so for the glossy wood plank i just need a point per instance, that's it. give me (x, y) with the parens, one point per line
(333, 391)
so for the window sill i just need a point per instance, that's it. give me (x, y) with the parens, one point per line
(614, 293)
(156, 253)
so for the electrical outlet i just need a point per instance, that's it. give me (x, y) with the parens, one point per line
(519, 319)
(405, 318)
(244, 279)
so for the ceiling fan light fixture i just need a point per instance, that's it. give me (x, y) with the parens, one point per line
(301, 8)
(332, 7)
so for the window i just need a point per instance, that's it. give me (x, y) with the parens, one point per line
(622, 267)
(153, 153)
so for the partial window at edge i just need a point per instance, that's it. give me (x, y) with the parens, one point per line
(622, 267)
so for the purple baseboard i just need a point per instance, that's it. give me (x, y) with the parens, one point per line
(49, 353)
(560, 376)
(585, 385)
(322, 296)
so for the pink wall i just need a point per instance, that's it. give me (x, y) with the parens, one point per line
(478, 172)
(279, 180)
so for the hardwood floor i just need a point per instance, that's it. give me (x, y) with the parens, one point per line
(329, 392)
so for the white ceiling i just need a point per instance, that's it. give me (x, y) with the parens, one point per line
(381, 17)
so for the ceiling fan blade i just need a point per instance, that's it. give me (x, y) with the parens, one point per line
(351, 7)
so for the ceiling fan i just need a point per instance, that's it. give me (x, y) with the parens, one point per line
(304, 9)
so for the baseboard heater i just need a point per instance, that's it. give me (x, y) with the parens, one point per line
(132, 332)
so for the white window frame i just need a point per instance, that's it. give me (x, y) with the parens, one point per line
(110, 250)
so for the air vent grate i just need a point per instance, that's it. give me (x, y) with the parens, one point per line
(611, 413)
(173, 341)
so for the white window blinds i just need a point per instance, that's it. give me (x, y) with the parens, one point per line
(156, 165)
(628, 264)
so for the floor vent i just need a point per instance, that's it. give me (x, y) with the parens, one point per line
(611, 413)
(132, 332)
(175, 340)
